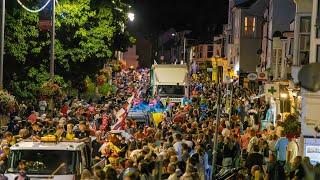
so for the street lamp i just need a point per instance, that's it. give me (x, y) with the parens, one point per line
(131, 16)
(284, 95)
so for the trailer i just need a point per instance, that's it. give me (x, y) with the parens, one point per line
(170, 81)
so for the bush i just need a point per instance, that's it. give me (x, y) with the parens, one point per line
(292, 126)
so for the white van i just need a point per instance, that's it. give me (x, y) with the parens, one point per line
(49, 160)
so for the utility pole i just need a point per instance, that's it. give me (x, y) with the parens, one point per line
(231, 97)
(3, 13)
(184, 48)
(215, 144)
(53, 33)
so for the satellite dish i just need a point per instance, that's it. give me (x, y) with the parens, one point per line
(309, 77)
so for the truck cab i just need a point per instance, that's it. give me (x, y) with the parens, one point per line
(49, 160)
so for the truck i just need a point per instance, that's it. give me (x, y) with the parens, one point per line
(170, 81)
(49, 160)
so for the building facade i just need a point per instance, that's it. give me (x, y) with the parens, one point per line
(277, 20)
(244, 39)
(307, 33)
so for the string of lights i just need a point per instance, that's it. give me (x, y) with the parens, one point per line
(31, 10)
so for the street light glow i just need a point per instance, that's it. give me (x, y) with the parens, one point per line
(283, 95)
(131, 16)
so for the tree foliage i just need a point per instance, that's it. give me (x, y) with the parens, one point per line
(87, 34)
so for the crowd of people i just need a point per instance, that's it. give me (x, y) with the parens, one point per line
(181, 146)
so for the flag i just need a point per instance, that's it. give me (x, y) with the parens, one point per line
(122, 115)
(120, 124)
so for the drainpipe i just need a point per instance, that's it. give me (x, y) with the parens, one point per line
(267, 46)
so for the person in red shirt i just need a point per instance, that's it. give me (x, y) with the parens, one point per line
(64, 109)
(33, 117)
(245, 139)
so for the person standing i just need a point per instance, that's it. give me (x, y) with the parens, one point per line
(42, 106)
(254, 158)
(281, 151)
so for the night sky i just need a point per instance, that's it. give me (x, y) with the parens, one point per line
(201, 16)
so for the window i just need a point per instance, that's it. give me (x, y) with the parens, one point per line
(210, 51)
(318, 20)
(304, 40)
(318, 54)
(249, 26)
(43, 162)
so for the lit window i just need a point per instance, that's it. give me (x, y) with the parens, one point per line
(249, 26)
(246, 24)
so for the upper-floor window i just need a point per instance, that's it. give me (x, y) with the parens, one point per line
(210, 51)
(249, 26)
(304, 40)
(318, 20)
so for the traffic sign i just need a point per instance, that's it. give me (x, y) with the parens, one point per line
(262, 76)
(252, 76)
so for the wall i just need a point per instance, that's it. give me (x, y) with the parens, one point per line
(248, 54)
(249, 46)
(144, 51)
(282, 16)
(130, 57)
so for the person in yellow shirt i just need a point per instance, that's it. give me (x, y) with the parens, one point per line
(9, 139)
(69, 135)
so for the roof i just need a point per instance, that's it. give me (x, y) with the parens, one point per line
(30, 145)
(170, 74)
(244, 3)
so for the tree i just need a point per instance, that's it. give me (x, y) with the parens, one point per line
(87, 34)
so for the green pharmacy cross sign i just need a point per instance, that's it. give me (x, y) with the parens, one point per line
(272, 90)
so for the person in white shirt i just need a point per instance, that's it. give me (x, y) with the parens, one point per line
(178, 145)
(42, 106)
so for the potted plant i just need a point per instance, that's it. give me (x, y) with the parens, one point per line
(8, 104)
(291, 126)
(101, 79)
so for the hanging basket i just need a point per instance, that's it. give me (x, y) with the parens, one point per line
(8, 103)
(50, 90)
(101, 80)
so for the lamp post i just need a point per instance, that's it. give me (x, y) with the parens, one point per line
(53, 33)
(231, 97)
(2, 42)
(215, 144)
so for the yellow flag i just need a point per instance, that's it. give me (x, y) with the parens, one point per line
(157, 118)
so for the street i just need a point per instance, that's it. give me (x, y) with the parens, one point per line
(159, 90)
